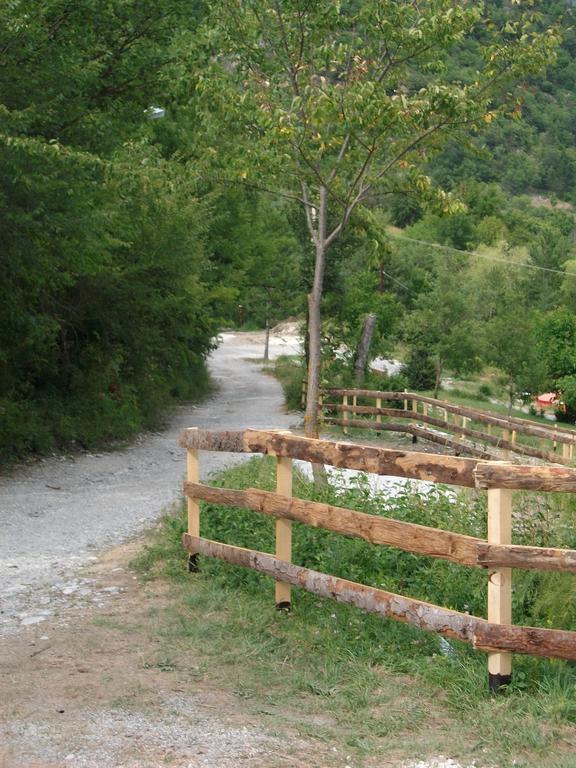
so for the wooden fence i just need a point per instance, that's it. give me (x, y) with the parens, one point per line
(495, 635)
(342, 407)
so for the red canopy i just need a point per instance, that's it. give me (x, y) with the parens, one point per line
(547, 399)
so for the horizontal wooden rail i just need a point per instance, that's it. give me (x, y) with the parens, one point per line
(481, 634)
(452, 470)
(365, 458)
(411, 537)
(498, 442)
(524, 477)
(412, 429)
(521, 426)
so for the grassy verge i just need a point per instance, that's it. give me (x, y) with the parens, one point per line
(289, 371)
(367, 686)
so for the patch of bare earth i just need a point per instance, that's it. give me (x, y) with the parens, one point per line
(90, 689)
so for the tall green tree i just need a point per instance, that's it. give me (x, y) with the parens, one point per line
(333, 104)
(104, 285)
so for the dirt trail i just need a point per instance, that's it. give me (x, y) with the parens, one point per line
(60, 513)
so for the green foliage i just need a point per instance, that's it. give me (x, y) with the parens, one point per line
(536, 151)
(557, 342)
(419, 369)
(256, 258)
(104, 312)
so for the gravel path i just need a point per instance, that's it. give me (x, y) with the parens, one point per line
(57, 514)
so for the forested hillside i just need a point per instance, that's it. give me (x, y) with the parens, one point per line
(125, 245)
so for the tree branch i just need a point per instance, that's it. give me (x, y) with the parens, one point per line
(259, 188)
(308, 211)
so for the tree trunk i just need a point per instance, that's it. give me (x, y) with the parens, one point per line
(511, 393)
(267, 337)
(314, 351)
(267, 342)
(364, 347)
(439, 367)
(314, 324)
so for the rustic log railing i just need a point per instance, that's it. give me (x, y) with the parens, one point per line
(502, 432)
(495, 635)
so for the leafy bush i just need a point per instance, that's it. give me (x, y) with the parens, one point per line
(419, 369)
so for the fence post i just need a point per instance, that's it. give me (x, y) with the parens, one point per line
(506, 436)
(378, 415)
(405, 402)
(193, 476)
(566, 451)
(283, 530)
(345, 414)
(499, 583)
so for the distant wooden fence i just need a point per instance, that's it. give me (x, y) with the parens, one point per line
(496, 635)
(342, 407)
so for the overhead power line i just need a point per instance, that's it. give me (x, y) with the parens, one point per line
(479, 255)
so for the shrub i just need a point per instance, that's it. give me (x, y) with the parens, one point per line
(419, 369)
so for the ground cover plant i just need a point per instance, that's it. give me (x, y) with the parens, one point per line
(343, 667)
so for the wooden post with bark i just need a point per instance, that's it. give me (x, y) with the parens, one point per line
(499, 583)
(378, 415)
(345, 414)
(283, 531)
(364, 347)
(193, 507)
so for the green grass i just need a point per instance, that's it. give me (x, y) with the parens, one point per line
(368, 685)
(289, 371)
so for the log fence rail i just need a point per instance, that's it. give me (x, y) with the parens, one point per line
(495, 635)
(341, 407)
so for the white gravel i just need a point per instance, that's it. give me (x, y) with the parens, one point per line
(57, 514)
(439, 762)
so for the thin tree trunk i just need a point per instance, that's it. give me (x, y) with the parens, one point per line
(267, 337)
(439, 367)
(314, 325)
(267, 342)
(315, 338)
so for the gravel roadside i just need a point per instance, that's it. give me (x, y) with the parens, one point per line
(59, 513)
